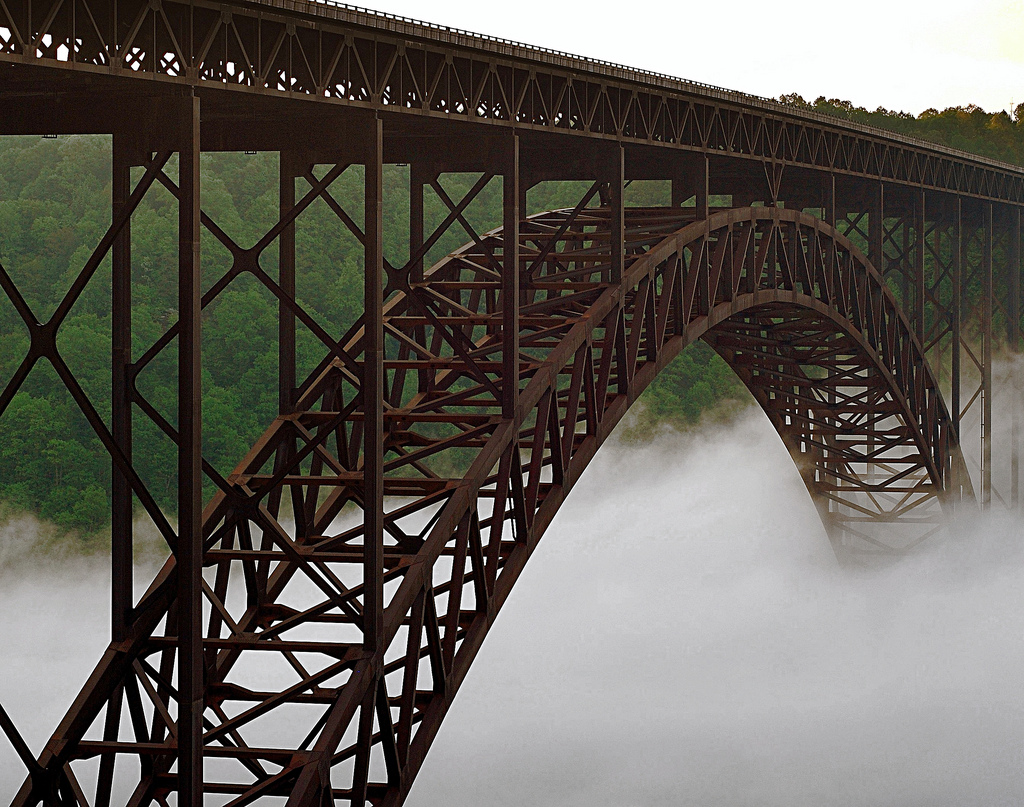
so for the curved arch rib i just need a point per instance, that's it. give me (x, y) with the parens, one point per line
(295, 707)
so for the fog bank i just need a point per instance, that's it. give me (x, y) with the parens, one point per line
(683, 636)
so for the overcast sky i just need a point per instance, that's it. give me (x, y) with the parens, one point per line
(906, 55)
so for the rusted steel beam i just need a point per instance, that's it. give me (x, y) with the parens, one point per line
(122, 509)
(828, 198)
(121, 526)
(259, 54)
(189, 549)
(1015, 353)
(920, 281)
(418, 180)
(876, 228)
(286, 372)
(955, 403)
(373, 388)
(617, 206)
(986, 357)
(510, 292)
(702, 186)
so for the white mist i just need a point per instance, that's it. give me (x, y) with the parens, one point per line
(683, 636)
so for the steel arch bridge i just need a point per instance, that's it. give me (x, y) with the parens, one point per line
(315, 618)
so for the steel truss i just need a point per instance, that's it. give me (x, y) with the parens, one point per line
(341, 552)
(306, 637)
(337, 55)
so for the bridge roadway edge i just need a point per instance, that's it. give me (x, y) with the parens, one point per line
(735, 123)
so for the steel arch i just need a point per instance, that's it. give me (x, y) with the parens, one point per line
(793, 306)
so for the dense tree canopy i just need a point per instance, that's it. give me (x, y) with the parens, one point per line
(998, 135)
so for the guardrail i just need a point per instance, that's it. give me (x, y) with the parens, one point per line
(408, 26)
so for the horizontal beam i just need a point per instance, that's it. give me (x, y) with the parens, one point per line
(291, 50)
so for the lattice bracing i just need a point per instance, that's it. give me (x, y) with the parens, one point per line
(297, 702)
(306, 637)
(339, 55)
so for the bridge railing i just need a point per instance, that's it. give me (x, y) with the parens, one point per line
(409, 26)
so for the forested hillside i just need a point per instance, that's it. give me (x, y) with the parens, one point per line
(998, 136)
(55, 206)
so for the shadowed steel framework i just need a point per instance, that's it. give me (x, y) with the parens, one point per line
(864, 286)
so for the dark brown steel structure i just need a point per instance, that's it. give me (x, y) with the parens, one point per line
(315, 619)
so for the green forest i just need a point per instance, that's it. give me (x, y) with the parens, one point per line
(998, 136)
(55, 206)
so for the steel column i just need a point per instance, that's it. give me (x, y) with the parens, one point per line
(876, 255)
(876, 229)
(680, 191)
(121, 521)
(418, 180)
(957, 314)
(617, 181)
(828, 199)
(373, 389)
(1015, 349)
(986, 359)
(702, 186)
(510, 281)
(121, 537)
(942, 269)
(286, 316)
(920, 224)
(189, 549)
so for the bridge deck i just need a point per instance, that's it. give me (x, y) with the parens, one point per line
(338, 55)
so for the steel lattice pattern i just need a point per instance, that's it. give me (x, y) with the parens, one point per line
(303, 695)
(315, 620)
(343, 56)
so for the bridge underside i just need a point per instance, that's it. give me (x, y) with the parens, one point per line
(304, 640)
(298, 679)
(845, 426)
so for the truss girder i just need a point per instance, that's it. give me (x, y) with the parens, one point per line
(357, 688)
(343, 56)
